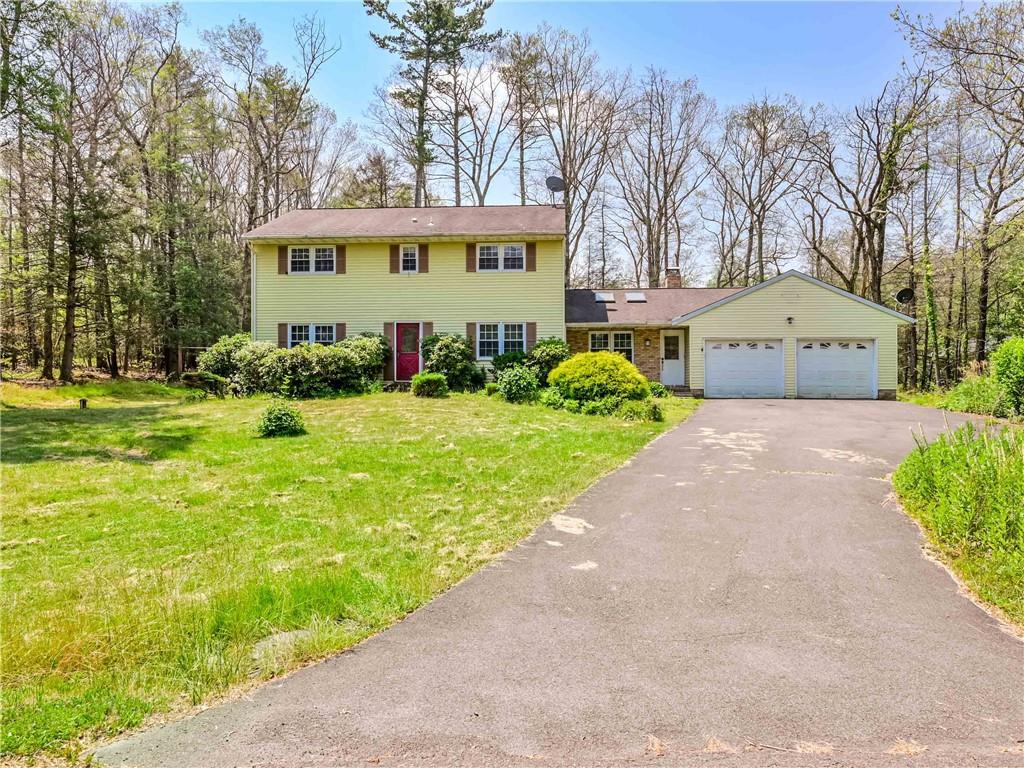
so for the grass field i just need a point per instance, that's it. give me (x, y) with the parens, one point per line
(149, 545)
(967, 490)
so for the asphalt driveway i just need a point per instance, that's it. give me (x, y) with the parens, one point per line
(740, 594)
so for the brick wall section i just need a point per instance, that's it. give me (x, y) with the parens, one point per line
(647, 359)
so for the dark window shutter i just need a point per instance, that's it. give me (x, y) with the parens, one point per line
(395, 258)
(428, 330)
(339, 260)
(471, 257)
(339, 331)
(531, 335)
(471, 335)
(389, 365)
(282, 334)
(424, 250)
(531, 257)
(282, 259)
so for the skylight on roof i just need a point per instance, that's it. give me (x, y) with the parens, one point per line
(636, 297)
(604, 297)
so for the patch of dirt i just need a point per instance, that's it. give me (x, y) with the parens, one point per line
(906, 748)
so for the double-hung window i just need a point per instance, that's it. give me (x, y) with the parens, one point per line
(501, 257)
(317, 333)
(498, 338)
(306, 260)
(616, 341)
(410, 259)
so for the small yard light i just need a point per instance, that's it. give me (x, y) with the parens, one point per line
(82, 403)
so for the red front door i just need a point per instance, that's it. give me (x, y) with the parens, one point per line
(407, 350)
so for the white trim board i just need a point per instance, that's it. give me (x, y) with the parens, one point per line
(681, 319)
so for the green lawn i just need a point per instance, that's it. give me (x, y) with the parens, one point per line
(148, 545)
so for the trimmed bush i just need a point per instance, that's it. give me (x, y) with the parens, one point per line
(452, 357)
(500, 362)
(978, 394)
(369, 351)
(429, 384)
(210, 383)
(518, 384)
(592, 376)
(1008, 370)
(546, 355)
(640, 410)
(658, 389)
(220, 359)
(280, 419)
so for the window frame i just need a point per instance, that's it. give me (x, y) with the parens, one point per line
(501, 257)
(632, 345)
(608, 340)
(401, 259)
(501, 338)
(311, 334)
(312, 249)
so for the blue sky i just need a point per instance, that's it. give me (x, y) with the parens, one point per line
(832, 52)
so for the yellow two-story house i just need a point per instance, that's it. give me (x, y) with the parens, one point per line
(494, 274)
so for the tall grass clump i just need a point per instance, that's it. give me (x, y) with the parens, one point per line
(967, 490)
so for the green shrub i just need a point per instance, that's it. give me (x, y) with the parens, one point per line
(604, 406)
(280, 419)
(251, 361)
(220, 358)
(592, 376)
(546, 355)
(452, 357)
(518, 384)
(640, 410)
(196, 396)
(370, 351)
(500, 362)
(1008, 370)
(490, 388)
(967, 489)
(552, 398)
(429, 384)
(978, 394)
(210, 383)
(658, 389)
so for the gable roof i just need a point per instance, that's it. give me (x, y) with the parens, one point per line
(448, 221)
(660, 307)
(789, 273)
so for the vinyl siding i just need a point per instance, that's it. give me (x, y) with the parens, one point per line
(817, 313)
(369, 295)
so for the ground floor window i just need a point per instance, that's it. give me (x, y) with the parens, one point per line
(314, 332)
(613, 341)
(498, 338)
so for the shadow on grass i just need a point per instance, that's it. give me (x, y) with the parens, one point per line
(142, 434)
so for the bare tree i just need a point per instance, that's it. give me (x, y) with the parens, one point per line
(660, 166)
(583, 107)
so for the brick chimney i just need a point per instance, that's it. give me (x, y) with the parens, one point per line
(673, 278)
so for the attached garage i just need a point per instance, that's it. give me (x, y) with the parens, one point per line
(835, 368)
(744, 368)
(793, 336)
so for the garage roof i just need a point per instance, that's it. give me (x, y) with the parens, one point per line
(443, 221)
(585, 306)
(696, 311)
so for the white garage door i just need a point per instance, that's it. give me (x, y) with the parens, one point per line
(744, 369)
(833, 368)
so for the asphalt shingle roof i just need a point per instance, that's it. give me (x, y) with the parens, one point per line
(661, 306)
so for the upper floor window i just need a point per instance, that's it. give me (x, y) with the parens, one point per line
(501, 257)
(303, 260)
(498, 338)
(410, 258)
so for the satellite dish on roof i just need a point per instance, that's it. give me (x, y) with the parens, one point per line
(555, 184)
(905, 295)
